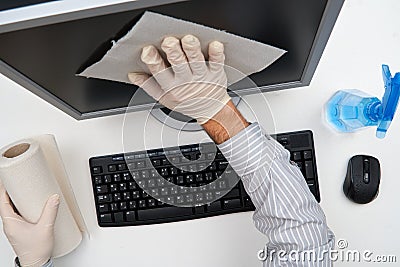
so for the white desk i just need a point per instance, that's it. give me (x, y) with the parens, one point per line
(366, 35)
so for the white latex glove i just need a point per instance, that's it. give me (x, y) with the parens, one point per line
(191, 86)
(32, 242)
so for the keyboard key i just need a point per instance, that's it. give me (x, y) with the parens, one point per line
(210, 156)
(215, 206)
(97, 170)
(112, 168)
(122, 206)
(156, 162)
(222, 184)
(175, 160)
(126, 195)
(132, 205)
(174, 190)
(166, 212)
(180, 180)
(130, 216)
(297, 155)
(199, 197)
(179, 199)
(145, 174)
(105, 218)
(151, 202)
(209, 196)
(188, 198)
(140, 164)
(189, 178)
(232, 203)
(247, 202)
(222, 165)
(132, 186)
(102, 189)
(208, 176)
(126, 176)
(113, 188)
(119, 217)
(199, 210)
(142, 203)
(199, 177)
(104, 198)
(154, 173)
(114, 206)
(117, 178)
(151, 183)
(234, 193)
(160, 182)
(307, 154)
(212, 167)
(312, 188)
(309, 169)
(155, 192)
(135, 194)
(122, 187)
(107, 178)
(98, 180)
(173, 170)
(117, 196)
(103, 208)
(121, 166)
(118, 158)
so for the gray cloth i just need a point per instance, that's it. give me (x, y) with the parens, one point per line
(286, 211)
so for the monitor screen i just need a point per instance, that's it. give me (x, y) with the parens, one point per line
(46, 58)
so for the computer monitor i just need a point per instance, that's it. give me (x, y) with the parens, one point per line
(44, 55)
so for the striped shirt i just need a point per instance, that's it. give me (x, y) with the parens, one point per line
(286, 211)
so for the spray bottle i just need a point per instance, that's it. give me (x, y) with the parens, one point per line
(349, 110)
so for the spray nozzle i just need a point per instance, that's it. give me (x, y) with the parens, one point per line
(389, 100)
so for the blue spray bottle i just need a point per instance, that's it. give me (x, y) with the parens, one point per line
(349, 110)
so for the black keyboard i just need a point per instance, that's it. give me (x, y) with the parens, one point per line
(181, 183)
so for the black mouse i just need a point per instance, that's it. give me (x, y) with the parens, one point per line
(362, 179)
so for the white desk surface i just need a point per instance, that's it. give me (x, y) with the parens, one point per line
(366, 35)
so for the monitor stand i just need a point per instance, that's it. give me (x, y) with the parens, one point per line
(178, 121)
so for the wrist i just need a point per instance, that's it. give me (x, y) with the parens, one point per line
(225, 124)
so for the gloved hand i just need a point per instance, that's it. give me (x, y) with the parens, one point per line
(191, 87)
(32, 242)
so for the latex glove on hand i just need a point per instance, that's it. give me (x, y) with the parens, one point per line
(191, 86)
(32, 242)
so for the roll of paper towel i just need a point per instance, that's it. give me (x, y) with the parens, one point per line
(31, 170)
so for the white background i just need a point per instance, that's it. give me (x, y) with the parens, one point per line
(366, 35)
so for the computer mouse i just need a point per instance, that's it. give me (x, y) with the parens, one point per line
(361, 184)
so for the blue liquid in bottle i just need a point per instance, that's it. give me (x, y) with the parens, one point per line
(349, 110)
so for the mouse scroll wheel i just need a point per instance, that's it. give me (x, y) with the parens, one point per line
(366, 171)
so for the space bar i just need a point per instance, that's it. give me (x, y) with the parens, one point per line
(160, 213)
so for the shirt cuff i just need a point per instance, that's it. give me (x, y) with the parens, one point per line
(250, 150)
(47, 264)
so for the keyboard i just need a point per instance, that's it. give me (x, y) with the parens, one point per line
(181, 183)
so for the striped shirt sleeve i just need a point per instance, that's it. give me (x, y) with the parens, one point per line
(286, 211)
(48, 264)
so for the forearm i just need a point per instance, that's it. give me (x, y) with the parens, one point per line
(225, 124)
(286, 211)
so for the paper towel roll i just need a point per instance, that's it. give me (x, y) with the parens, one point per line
(31, 171)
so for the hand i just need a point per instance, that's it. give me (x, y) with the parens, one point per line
(191, 86)
(32, 242)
